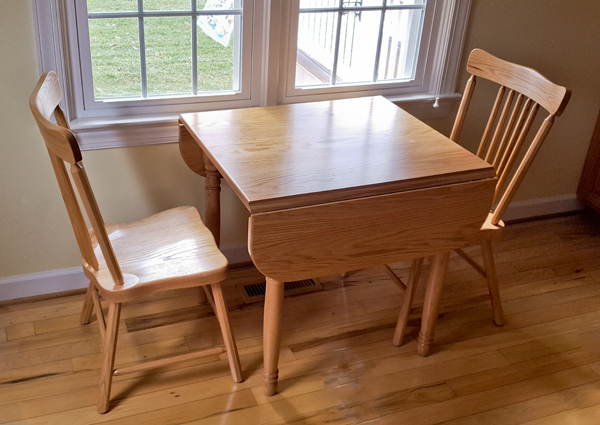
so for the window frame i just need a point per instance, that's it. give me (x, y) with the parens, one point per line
(156, 123)
(435, 83)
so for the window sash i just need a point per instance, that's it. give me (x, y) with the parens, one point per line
(341, 10)
(193, 13)
(291, 93)
(88, 106)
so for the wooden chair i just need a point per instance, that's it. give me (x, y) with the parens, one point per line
(169, 250)
(521, 94)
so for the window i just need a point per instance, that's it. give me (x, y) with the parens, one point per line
(147, 54)
(152, 49)
(130, 67)
(351, 42)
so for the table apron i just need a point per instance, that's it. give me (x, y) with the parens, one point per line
(324, 239)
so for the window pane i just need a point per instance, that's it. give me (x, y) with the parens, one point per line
(217, 38)
(114, 45)
(219, 4)
(95, 6)
(356, 3)
(356, 52)
(150, 5)
(319, 3)
(168, 55)
(358, 42)
(316, 48)
(405, 2)
(400, 44)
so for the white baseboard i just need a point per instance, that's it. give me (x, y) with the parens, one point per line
(30, 285)
(522, 210)
(53, 281)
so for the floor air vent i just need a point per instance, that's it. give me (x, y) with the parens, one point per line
(256, 291)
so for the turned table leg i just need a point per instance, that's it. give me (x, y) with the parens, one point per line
(433, 295)
(272, 334)
(213, 200)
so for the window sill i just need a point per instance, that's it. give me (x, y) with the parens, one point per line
(105, 133)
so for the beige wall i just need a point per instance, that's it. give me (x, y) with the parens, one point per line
(561, 39)
(129, 183)
(551, 35)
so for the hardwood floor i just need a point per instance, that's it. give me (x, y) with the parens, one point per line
(338, 365)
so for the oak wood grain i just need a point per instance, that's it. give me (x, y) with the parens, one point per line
(522, 93)
(299, 243)
(295, 155)
(520, 78)
(124, 262)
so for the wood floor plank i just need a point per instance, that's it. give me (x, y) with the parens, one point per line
(35, 372)
(505, 375)
(519, 320)
(33, 314)
(495, 398)
(49, 354)
(377, 409)
(578, 416)
(540, 348)
(34, 342)
(274, 411)
(569, 405)
(191, 410)
(20, 330)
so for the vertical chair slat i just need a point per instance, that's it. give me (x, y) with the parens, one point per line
(490, 124)
(522, 170)
(463, 108)
(500, 126)
(510, 131)
(79, 227)
(93, 212)
(512, 154)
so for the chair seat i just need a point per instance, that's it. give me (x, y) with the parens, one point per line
(169, 250)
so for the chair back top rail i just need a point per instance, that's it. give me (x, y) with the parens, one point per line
(63, 147)
(522, 79)
(522, 91)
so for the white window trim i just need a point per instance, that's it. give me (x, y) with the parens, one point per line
(270, 60)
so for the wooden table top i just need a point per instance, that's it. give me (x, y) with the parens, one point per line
(311, 153)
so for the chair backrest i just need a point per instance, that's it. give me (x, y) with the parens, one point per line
(522, 91)
(63, 149)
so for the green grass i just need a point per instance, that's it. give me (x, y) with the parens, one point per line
(116, 55)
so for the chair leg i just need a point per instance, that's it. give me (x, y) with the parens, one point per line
(492, 279)
(409, 295)
(88, 306)
(108, 361)
(228, 339)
